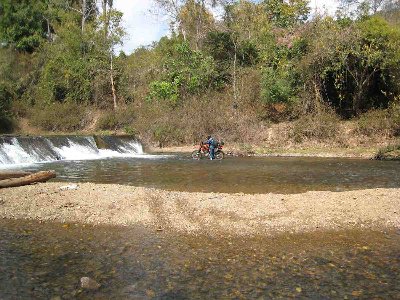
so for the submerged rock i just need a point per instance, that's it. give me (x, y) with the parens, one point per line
(89, 284)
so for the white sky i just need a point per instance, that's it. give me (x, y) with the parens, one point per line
(143, 27)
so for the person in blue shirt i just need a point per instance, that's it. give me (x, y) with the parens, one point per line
(211, 146)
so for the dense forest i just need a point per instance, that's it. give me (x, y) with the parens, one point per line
(259, 64)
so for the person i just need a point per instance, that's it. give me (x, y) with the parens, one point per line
(211, 146)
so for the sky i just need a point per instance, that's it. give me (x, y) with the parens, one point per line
(144, 27)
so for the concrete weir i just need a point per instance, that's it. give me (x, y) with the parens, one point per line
(16, 150)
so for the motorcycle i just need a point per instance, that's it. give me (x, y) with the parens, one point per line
(204, 151)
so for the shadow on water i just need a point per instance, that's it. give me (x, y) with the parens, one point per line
(233, 175)
(43, 261)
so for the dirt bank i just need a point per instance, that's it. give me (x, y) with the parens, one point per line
(203, 213)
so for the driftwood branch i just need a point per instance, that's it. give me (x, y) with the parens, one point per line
(13, 174)
(42, 176)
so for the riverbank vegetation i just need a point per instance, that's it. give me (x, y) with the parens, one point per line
(267, 72)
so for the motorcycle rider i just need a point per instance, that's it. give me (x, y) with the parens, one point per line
(211, 146)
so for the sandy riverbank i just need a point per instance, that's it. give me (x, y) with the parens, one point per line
(203, 213)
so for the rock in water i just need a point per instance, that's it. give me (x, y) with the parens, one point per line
(89, 284)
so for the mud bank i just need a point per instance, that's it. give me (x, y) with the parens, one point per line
(203, 213)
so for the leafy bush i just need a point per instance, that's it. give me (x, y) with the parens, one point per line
(59, 117)
(185, 72)
(164, 90)
(6, 123)
(276, 86)
(65, 77)
(114, 120)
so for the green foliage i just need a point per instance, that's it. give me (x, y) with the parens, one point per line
(65, 76)
(22, 24)
(277, 86)
(76, 67)
(287, 13)
(221, 46)
(352, 68)
(6, 123)
(164, 90)
(122, 118)
(67, 116)
(264, 60)
(185, 72)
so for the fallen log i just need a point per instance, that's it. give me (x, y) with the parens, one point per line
(42, 176)
(13, 174)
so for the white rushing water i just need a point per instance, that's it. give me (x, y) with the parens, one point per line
(29, 150)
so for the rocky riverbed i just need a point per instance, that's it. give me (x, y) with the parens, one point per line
(203, 213)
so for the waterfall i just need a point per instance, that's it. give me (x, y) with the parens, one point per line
(28, 150)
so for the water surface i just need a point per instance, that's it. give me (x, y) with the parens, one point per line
(232, 175)
(42, 261)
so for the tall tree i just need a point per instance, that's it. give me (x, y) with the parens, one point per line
(113, 33)
(195, 22)
(172, 9)
(188, 15)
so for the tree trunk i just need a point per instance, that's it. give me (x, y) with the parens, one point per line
(42, 176)
(112, 81)
(183, 33)
(234, 74)
(105, 17)
(198, 24)
(84, 8)
(48, 30)
(13, 174)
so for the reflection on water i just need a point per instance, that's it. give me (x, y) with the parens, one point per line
(43, 261)
(248, 175)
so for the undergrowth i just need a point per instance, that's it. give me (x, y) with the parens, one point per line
(59, 117)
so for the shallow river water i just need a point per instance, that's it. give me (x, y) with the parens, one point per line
(232, 175)
(46, 261)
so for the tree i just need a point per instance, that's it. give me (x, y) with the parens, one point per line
(172, 9)
(249, 20)
(87, 9)
(192, 15)
(362, 7)
(186, 72)
(114, 37)
(287, 13)
(353, 68)
(22, 23)
(195, 22)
